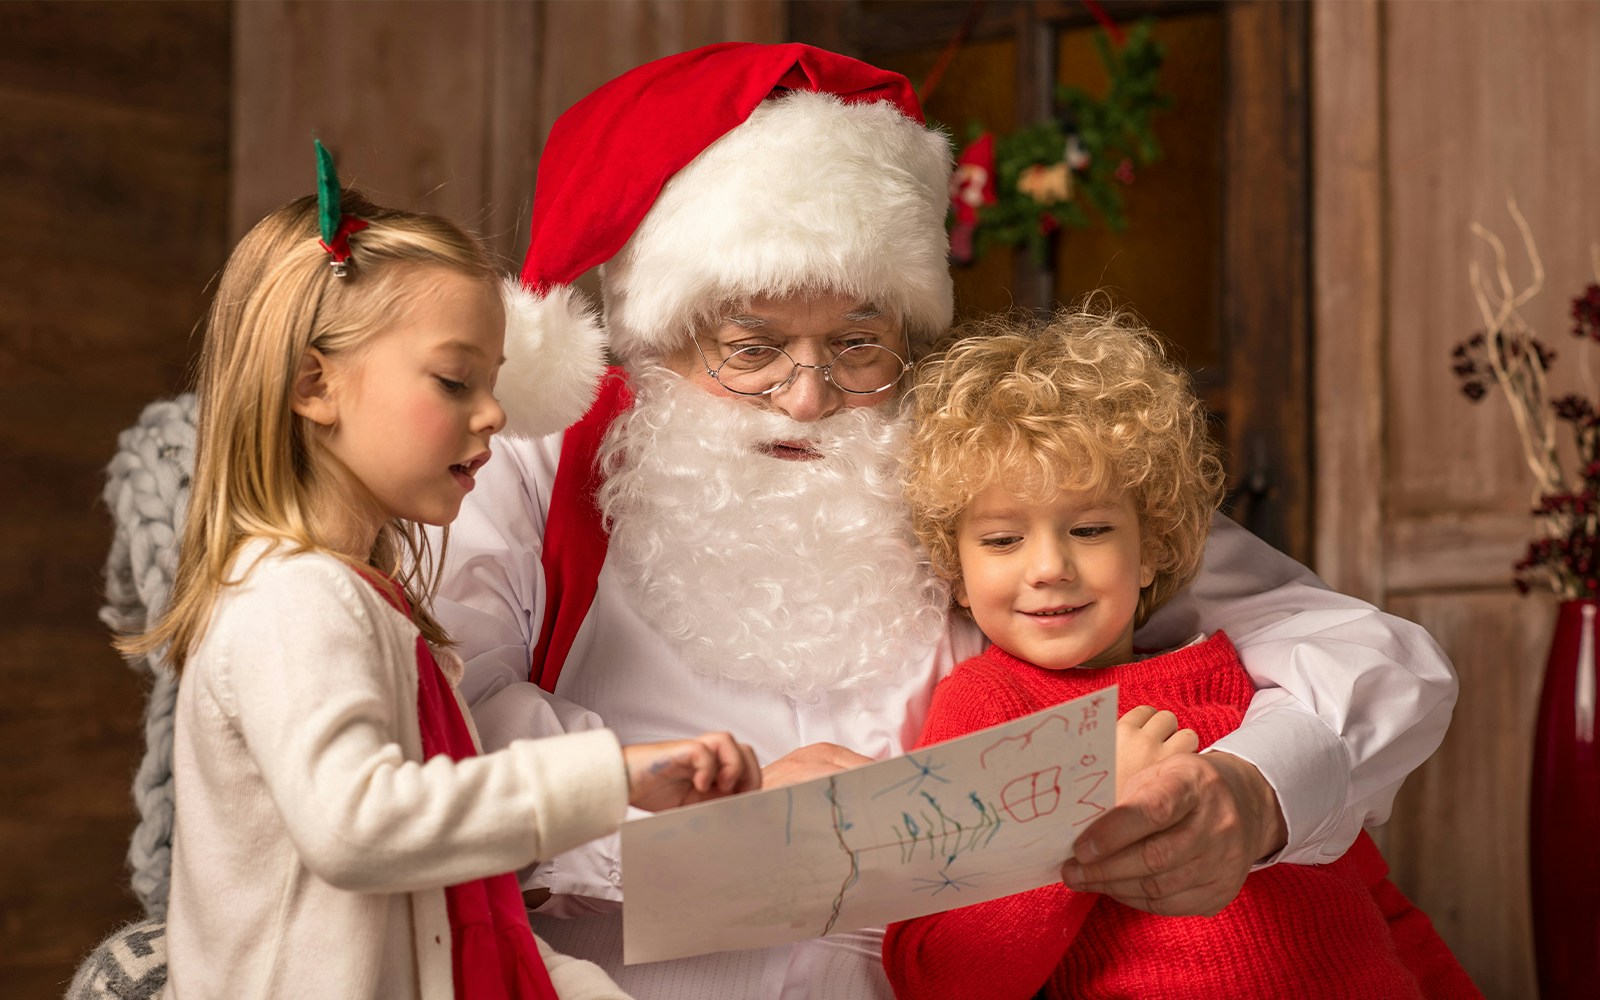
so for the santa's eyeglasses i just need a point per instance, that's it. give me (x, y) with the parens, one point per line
(861, 370)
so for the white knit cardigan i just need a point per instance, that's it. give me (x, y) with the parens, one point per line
(311, 844)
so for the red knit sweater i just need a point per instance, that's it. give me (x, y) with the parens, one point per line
(1340, 931)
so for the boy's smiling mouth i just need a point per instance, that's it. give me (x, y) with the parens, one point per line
(1056, 612)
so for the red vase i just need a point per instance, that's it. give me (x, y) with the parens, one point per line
(1564, 814)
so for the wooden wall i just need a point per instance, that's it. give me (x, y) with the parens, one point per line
(1427, 117)
(442, 106)
(113, 202)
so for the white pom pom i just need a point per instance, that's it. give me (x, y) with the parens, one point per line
(555, 356)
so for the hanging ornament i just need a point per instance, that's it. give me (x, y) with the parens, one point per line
(1075, 156)
(971, 188)
(1046, 184)
(1068, 172)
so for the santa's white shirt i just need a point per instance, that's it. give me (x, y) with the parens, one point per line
(1350, 700)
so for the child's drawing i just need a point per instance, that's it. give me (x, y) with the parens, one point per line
(987, 815)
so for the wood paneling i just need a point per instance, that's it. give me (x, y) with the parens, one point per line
(1484, 101)
(1347, 296)
(113, 199)
(441, 106)
(1428, 116)
(404, 94)
(1457, 844)
(1265, 299)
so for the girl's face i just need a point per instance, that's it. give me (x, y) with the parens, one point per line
(413, 409)
(1057, 583)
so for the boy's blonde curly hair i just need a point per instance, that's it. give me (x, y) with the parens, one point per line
(1088, 401)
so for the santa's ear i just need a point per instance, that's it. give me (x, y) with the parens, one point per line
(311, 396)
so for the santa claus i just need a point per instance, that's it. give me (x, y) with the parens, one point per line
(720, 543)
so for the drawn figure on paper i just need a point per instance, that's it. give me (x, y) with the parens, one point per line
(924, 770)
(1033, 795)
(946, 881)
(943, 834)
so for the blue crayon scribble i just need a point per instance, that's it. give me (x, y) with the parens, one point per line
(924, 771)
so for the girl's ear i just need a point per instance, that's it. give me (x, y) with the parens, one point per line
(961, 594)
(312, 396)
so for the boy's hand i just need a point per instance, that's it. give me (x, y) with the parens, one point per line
(1145, 736)
(683, 772)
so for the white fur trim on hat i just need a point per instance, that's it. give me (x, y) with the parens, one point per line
(810, 193)
(555, 355)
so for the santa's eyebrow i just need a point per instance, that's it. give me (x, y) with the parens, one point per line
(863, 312)
(860, 314)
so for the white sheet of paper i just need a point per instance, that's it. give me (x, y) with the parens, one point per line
(989, 814)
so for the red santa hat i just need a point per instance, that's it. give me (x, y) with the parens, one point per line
(727, 172)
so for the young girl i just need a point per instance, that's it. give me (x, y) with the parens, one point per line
(337, 833)
(1062, 480)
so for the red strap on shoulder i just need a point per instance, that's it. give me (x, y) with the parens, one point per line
(574, 538)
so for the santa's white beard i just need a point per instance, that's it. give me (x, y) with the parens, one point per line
(802, 576)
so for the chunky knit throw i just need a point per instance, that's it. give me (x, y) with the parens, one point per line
(147, 492)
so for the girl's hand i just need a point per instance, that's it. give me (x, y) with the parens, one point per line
(1145, 736)
(683, 772)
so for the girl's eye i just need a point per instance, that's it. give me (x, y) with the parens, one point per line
(1091, 531)
(450, 385)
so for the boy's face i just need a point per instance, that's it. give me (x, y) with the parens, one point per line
(1057, 583)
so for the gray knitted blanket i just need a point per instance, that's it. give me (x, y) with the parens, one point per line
(147, 492)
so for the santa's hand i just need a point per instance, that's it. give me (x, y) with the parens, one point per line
(1145, 736)
(814, 760)
(683, 772)
(1183, 838)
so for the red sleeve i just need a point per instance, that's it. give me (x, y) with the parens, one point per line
(1006, 947)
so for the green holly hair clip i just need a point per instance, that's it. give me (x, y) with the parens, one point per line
(336, 227)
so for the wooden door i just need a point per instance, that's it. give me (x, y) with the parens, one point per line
(1214, 255)
(1427, 117)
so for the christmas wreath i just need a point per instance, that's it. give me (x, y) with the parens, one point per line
(1016, 190)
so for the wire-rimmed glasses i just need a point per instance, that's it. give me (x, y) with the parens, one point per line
(760, 370)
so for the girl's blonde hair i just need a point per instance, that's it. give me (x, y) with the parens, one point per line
(1088, 401)
(254, 456)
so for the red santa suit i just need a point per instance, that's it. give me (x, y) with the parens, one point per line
(743, 170)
